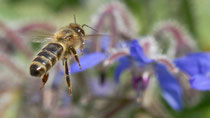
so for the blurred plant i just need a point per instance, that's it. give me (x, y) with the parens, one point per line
(173, 39)
(119, 71)
(161, 62)
(54, 5)
(196, 66)
(12, 35)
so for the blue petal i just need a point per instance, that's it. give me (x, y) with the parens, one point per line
(124, 63)
(137, 53)
(171, 89)
(88, 61)
(196, 63)
(200, 82)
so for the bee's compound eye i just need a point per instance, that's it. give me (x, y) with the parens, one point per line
(78, 30)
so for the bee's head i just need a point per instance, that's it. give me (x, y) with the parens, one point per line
(77, 28)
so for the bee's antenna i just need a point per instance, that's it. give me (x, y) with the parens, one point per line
(89, 27)
(75, 19)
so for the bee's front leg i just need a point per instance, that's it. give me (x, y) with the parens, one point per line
(75, 56)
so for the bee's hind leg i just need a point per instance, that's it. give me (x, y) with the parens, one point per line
(67, 75)
(75, 56)
(44, 79)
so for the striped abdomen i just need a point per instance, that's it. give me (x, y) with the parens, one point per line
(45, 59)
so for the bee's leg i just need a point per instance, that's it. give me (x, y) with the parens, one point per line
(82, 45)
(44, 79)
(67, 76)
(75, 56)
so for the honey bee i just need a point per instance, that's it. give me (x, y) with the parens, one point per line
(63, 46)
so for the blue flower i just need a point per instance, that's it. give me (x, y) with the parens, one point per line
(171, 89)
(124, 63)
(197, 66)
(138, 54)
(88, 61)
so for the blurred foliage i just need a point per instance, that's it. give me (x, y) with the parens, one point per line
(55, 5)
(149, 12)
(191, 13)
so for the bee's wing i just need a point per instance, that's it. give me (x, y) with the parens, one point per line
(40, 36)
(41, 40)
